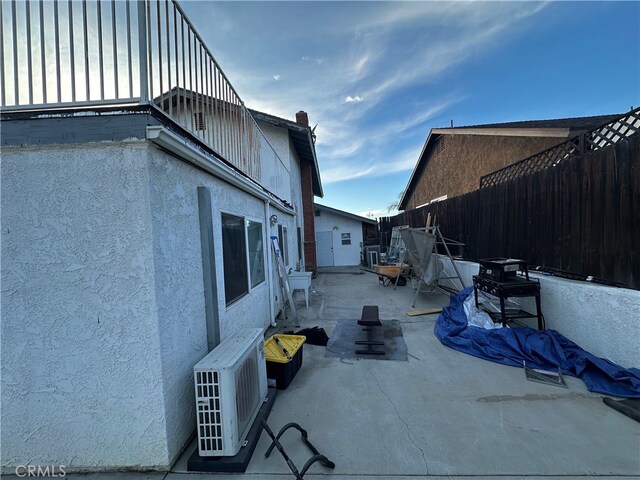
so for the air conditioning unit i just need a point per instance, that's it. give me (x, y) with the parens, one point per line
(231, 385)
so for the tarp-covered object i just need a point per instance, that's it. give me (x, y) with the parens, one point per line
(545, 350)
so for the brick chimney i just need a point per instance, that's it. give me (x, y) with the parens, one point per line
(302, 118)
(306, 180)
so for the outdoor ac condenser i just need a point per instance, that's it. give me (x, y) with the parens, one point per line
(231, 385)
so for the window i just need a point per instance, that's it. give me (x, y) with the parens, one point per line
(234, 252)
(346, 239)
(256, 252)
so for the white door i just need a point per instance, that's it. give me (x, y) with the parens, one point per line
(324, 248)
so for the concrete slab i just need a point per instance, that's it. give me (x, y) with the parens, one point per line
(442, 414)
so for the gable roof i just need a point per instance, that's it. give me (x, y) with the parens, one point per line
(303, 141)
(559, 127)
(345, 214)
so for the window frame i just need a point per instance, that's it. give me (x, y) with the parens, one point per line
(249, 287)
(345, 237)
(264, 245)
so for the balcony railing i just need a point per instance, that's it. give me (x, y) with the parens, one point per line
(601, 137)
(66, 54)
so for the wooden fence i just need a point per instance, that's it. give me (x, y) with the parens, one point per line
(581, 217)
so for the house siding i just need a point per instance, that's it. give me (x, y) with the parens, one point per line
(457, 168)
(342, 254)
(179, 280)
(81, 383)
(103, 311)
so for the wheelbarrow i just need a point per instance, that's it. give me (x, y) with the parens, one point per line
(393, 273)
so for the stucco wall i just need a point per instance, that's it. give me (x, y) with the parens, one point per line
(103, 303)
(81, 382)
(296, 197)
(179, 281)
(275, 169)
(342, 254)
(602, 320)
(465, 158)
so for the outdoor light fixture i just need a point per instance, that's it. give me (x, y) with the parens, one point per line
(273, 219)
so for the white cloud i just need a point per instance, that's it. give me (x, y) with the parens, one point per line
(394, 48)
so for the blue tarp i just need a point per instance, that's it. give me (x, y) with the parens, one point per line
(545, 350)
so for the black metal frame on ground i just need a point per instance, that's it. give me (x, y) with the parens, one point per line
(317, 457)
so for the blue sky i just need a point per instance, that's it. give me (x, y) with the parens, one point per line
(377, 76)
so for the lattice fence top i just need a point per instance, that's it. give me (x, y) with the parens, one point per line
(601, 137)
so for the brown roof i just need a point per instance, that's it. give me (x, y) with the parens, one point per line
(574, 123)
(572, 126)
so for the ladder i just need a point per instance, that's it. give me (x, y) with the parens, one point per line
(285, 289)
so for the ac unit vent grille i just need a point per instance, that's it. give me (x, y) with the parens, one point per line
(208, 401)
(230, 384)
(246, 391)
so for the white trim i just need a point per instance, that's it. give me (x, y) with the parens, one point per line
(506, 132)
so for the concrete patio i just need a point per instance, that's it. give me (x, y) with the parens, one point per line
(441, 414)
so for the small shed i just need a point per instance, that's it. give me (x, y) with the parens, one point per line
(340, 236)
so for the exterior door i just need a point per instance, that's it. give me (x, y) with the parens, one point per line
(324, 249)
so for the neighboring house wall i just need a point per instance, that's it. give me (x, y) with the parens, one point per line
(457, 165)
(103, 301)
(342, 254)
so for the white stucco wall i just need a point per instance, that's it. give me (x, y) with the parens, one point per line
(81, 383)
(342, 254)
(279, 139)
(296, 198)
(275, 169)
(103, 304)
(602, 320)
(179, 283)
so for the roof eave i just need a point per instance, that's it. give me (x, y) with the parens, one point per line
(353, 216)
(403, 198)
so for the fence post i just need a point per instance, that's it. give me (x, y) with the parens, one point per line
(143, 60)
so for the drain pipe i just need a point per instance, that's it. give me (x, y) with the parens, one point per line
(267, 219)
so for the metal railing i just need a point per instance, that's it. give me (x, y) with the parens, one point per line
(601, 137)
(62, 53)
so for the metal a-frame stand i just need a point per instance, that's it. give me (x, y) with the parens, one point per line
(421, 246)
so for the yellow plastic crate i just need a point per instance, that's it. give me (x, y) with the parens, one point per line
(279, 367)
(274, 353)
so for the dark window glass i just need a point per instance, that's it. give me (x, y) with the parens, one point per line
(256, 252)
(299, 243)
(234, 251)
